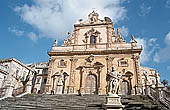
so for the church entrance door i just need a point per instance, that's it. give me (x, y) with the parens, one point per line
(91, 84)
(125, 88)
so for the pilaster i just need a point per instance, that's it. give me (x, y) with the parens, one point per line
(71, 87)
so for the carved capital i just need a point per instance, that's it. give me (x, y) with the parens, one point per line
(135, 58)
(72, 59)
(51, 60)
(108, 58)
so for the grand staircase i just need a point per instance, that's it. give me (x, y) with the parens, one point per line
(74, 102)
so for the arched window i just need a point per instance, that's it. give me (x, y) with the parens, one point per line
(92, 39)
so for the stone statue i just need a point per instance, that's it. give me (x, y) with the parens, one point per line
(68, 41)
(114, 78)
(133, 38)
(118, 37)
(118, 32)
(55, 43)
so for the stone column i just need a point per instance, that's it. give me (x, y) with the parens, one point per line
(82, 81)
(72, 75)
(137, 73)
(100, 81)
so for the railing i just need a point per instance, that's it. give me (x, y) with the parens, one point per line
(19, 91)
(166, 94)
(154, 94)
(161, 95)
(165, 98)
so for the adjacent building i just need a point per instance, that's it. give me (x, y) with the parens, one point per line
(16, 78)
(40, 77)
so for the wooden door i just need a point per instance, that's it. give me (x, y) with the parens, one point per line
(91, 85)
(124, 88)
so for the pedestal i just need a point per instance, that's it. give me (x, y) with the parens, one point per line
(113, 103)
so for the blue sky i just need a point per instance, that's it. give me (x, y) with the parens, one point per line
(28, 28)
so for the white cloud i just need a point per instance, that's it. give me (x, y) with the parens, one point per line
(20, 33)
(148, 50)
(168, 67)
(144, 10)
(54, 18)
(33, 36)
(163, 54)
(167, 5)
(16, 31)
(152, 41)
(124, 31)
(167, 39)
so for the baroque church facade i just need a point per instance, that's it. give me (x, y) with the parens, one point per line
(93, 50)
(83, 65)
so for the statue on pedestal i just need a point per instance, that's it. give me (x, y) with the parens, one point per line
(113, 78)
(113, 100)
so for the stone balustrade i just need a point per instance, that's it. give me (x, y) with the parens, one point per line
(97, 46)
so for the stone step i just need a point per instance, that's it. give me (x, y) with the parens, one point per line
(72, 102)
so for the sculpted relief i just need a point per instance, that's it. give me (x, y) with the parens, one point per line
(92, 35)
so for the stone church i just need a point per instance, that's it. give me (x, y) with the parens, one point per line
(93, 50)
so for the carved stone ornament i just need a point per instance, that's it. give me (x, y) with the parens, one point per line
(93, 17)
(90, 59)
(135, 58)
(91, 32)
